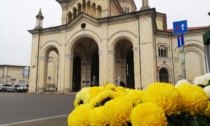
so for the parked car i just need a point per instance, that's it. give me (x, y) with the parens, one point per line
(15, 87)
(22, 88)
(3, 87)
(10, 88)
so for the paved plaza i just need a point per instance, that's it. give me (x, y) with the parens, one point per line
(22, 109)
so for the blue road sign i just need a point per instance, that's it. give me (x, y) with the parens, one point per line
(180, 27)
(180, 40)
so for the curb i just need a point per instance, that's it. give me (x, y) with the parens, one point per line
(49, 93)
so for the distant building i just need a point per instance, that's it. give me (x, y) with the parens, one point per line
(108, 40)
(13, 74)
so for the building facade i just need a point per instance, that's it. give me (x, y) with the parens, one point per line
(108, 40)
(13, 74)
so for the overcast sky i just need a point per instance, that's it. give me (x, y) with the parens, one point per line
(18, 16)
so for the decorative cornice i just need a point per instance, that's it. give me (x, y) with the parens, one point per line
(96, 22)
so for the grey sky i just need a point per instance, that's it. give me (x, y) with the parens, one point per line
(18, 16)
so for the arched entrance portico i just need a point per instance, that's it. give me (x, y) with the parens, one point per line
(49, 69)
(85, 65)
(124, 63)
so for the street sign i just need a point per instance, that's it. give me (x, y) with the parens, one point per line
(180, 27)
(180, 40)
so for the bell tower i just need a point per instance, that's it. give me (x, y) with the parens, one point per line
(39, 20)
(145, 4)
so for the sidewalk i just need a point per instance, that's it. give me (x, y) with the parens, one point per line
(61, 121)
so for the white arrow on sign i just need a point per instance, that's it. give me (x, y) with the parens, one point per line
(182, 27)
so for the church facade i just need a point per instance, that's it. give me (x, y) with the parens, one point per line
(108, 40)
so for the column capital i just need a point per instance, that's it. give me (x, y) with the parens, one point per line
(111, 52)
(135, 50)
(100, 52)
(71, 56)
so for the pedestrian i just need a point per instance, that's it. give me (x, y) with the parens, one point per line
(122, 84)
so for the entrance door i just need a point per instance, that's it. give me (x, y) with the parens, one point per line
(76, 85)
(164, 75)
(130, 70)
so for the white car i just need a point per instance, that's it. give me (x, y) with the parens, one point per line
(3, 87)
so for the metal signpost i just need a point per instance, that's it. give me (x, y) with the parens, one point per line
(179, 28)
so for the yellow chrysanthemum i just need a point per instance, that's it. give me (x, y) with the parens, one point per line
(80, 116)
(117, 111)
(119, 88)
(102, 98)
(148, 114)
(127, 90)
(194, 98)
(82, 97)
(96, 117)
(110, 87)
(164, 95)
(135, 96)
(94, 91)
(120, 93)
(207, 110)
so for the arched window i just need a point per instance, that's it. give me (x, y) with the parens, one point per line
(94, 10)
(74, 12)
(99, 12)
(69, 16)
(162, 51)
(79, 8)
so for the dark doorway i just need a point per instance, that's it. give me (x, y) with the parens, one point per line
(163, 74)
(76, 85)
(95, 69)
(130, 70)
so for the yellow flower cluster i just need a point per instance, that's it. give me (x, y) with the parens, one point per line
(148, 114)
(79, 116)
(194, 99)
(117, 111)
(118, 106)
(164, 95)
(207, 110)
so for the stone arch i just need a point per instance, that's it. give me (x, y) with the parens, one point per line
(50, 47)
(191, 45)
(80, 34)
(194, 67)
(83, 46)
(117, 36)
(49, 44)
(123, 61)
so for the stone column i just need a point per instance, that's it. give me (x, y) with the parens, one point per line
(137, 70)
(111, 66)
(101, 68)
(42, 73)
(68, 72)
